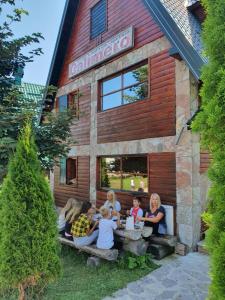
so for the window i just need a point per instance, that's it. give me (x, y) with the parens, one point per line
(69, 102)
(124, 88)
(74, 104)
(98, 18)
(68, 171)
(129, 173)
(62, 103)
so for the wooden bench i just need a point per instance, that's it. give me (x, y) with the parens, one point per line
(161, 246)
(110, 255)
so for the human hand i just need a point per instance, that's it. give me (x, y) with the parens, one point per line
(114, 213)
(128, 212)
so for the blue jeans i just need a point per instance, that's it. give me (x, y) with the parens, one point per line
(85, 240)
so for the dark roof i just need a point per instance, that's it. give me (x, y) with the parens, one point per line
(175, 20)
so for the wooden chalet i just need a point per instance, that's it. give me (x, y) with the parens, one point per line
(129, 70)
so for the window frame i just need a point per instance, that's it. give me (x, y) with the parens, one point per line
(76, 112)
(121, 156)
(124, 71)
(106, 21)
(66, 179)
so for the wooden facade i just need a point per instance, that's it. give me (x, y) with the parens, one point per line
(79, 190)
(152, 126)
(120, 16)
(146, 118)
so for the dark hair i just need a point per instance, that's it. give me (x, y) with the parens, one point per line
(85, 207)
(140, 190)
(138, 199)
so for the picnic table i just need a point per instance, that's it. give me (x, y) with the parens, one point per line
(133, 239)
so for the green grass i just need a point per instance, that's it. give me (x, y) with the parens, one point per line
(79, 282)
(115, 183)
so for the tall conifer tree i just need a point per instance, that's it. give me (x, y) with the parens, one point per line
(211, 124)
(28, 232)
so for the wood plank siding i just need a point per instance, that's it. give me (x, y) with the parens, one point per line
(153, 117)
(119, 16)
(162, 174)
(80, 128)
(80, 190)
(205, 160)
(162, 180)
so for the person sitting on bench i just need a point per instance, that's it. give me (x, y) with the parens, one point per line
(106, 226)
(63, 213)
(83, 233)
(71, 216)
(135, 211)
(155, 216)
(112, 204)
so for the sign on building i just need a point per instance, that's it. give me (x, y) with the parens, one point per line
(117, 44)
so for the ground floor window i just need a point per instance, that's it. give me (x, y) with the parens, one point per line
(128, 173)
(68, 170)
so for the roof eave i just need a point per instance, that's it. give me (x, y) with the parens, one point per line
(175, 36)
(65, 29)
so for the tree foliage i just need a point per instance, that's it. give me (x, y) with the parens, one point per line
(52, 138)
(211, 124)
(28, 233)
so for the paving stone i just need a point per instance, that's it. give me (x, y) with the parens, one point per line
(166, 295)
(183, 278)
(169, 283)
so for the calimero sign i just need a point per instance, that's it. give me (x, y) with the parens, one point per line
(117, 44)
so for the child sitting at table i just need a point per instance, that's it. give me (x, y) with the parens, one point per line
(106, 226)
(135, 211)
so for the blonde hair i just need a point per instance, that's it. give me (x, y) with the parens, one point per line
(104, 211)
(73, 214)
(69, 204)
(154, 195)
(113, 197)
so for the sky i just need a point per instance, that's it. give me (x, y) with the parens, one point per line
(45, 17)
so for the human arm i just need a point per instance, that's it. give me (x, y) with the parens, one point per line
(118, 219)
(93, 228)
(155, 219)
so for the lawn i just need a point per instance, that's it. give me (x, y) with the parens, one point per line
(82, 283)
(115, 182)
(79, 282)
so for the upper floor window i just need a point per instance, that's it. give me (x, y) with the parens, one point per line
(129, 173)
(70, 102)
(74, 104)
(127, 87)
(98, 18)
(62, 103)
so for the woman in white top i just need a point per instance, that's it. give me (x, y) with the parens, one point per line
(112, 204)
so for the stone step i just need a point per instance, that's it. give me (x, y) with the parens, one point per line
(159, 251)
(166, 240)
(201, 247)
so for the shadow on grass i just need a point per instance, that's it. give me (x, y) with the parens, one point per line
(79, 282)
